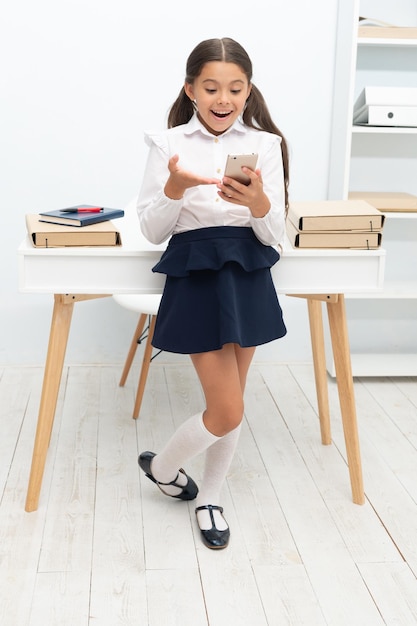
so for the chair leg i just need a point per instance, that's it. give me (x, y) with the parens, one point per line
(133, 347)
(147, 357)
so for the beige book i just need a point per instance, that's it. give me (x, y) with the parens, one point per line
(344, 215)
(333, 239)
(387, 200)
(44, 235)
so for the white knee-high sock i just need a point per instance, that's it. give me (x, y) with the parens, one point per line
(191, 438)
(218, 460)
(219, 457)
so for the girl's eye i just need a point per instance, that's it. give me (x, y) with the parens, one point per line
(234, 92)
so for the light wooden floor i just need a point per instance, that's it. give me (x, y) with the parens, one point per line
(106, 548)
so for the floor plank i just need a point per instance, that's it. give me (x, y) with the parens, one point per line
(61, 598)
(105, 547)
(68, 532)
(118, 577)
(394, 590)
(293, 460)
(278, 586)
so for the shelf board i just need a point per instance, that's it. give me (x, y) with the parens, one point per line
(385, 364)
(386, 41)
(400, 215)
(391, 291)
(388, 130)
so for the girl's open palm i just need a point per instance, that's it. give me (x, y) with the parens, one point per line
(184, 179)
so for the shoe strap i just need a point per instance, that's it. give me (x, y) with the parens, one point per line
(209, 507)
(174, 482)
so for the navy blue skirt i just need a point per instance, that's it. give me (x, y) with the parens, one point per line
(218, 290)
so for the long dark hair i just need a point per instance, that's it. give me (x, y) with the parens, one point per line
(256, 113)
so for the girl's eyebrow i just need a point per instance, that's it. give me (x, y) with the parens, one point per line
(213, 80)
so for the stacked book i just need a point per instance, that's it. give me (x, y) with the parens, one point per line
(335, 224)
(79, 225)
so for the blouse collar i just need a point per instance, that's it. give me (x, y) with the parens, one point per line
(194, 125)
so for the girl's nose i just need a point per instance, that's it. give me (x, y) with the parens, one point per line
(223, 98)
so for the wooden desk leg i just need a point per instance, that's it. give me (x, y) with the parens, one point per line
(320, 372)
(58, 337)
(319, 358)
(341, 354)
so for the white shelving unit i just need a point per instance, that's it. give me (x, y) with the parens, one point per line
(382, 326)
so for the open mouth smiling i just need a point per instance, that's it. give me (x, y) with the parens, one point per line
(221, 115)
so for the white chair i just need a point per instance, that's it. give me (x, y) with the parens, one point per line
(147, 306)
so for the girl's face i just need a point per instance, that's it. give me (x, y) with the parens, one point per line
(220, 93)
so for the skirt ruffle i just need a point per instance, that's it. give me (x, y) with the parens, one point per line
(211, 248)
(218, 290)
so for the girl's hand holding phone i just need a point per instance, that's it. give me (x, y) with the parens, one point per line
(250, 195)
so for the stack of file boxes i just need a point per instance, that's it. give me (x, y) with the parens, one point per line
(335, 224)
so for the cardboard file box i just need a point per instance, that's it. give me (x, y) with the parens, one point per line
(331, 215)
(368, 240)
(45, 235)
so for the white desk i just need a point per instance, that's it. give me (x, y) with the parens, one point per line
(74, 274)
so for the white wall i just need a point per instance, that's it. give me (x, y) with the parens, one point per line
(81, 81)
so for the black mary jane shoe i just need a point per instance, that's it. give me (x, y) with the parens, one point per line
(213, 538)
(188, 491)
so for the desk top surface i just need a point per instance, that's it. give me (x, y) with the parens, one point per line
(128, 268)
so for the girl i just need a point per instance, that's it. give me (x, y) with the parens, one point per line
(219, 300)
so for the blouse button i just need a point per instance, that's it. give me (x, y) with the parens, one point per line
(218, 170)
(216, 140)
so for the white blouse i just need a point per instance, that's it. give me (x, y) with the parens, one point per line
(203, 153)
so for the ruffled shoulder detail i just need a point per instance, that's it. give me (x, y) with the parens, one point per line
(161, 138)
(189, 252)
(157, 138)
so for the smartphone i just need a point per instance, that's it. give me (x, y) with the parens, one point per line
(234, 164)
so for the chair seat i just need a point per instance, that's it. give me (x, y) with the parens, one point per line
(139, 302)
